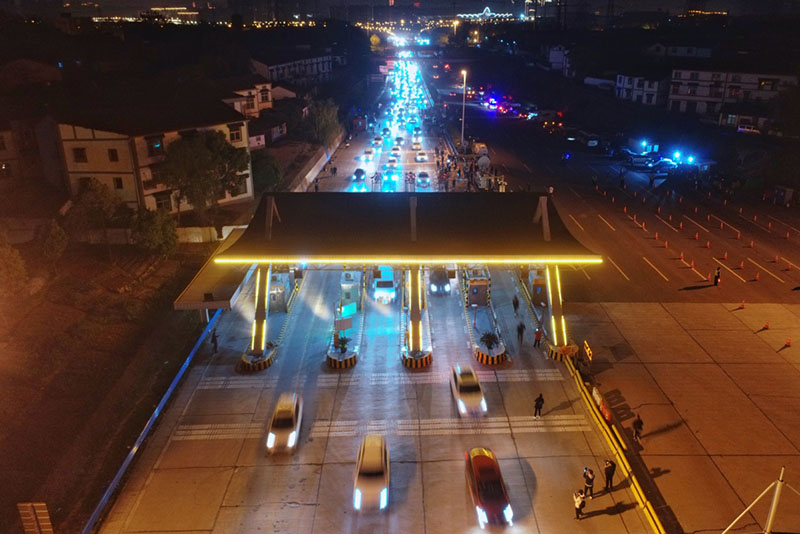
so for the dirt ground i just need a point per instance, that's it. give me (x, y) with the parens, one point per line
(83, 361)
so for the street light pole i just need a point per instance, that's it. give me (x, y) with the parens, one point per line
(463, 107)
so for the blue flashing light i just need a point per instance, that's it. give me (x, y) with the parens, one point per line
(690, 159)
(644, 143)
(676, 155)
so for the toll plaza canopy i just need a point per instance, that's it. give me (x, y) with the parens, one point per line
(406, 228)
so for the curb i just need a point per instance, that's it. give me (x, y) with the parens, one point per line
(417, 363)
(334, 362)
(251, 364)
(488, 359)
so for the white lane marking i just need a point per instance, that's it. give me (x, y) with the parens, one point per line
(618, 268)
(576, 222)
(655, 269)
(607, 223)
(776, 277)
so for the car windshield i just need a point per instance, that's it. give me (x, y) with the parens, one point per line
(371, 471)
(469, 387)
(283, 420)
(385, 284)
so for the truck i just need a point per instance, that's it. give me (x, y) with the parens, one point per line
(383, 288)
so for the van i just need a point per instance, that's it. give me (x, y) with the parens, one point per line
(383, 289)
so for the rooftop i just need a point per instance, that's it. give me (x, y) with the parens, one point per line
(403, 228)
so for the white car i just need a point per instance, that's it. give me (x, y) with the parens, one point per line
(421, 156)
(396, 151)
(467, 391)
(369, 154)
(391, 163)
(423, 179)
(371, 486)
(416, 145)
(284, 428)
(377, 140)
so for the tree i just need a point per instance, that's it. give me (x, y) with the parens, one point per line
(93, 208)
(53, 241)
(490, 340)
(324, 120)
(13, 274)
(202, 167)
(267, 173)
(155, 232)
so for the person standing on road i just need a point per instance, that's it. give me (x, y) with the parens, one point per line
(537, 340)
(610, 469)
(588, 481)
(520, 333)
(334, 171)
(316, 185)
(638, 424)
(580, 503)
(214, 340)
(515, 303)
(717, 276)
(537, 406)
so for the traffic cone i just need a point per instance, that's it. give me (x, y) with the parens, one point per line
(634, 217)
(739, 235)
(658, 210)
(751, 243)
(670, 218)
(695, 211)
(725, 256)
(787, 235)
(666, 244)
(741, 266)
(681, 256)
(725, 202)
(769, 225)
(625, 209)
(741, 306)
(643, 228)
(766, 326)
(696, 236)
(691, 265)
(755, 218)
(708, 244)
(612, 199)
(708, 218)
(720, 226)
(656, 237)
(708, 277)
(757, 278)
(644, 199)
(788, 342)
(775, 260)
(634, 194)
(740, 211)
(605, 193)
(681, 225)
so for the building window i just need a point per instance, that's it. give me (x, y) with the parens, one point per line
(694, 76)
(736, 78)
(79, 155)
(649, 98)
(2, 143)
(676, 88)
(715, 76)
(235, 132)
(264, 94)
(639, 83)
(113, 155)
(250, 103)
(734, 91)
(731, 120)
(692, 88)
(117, 182)
(767, 84)
(83, 182)
(155, 145)
(163, 200)
(677, 75)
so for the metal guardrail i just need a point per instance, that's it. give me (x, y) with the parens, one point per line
(100, 509)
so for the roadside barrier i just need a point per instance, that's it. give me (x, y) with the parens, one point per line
(100, 509)
(417, 363)
(342, 363)
(251, 364)
(615, 442)
(489, 359)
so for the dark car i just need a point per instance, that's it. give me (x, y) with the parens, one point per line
(487, 488)
(440, 281)
(359, 175)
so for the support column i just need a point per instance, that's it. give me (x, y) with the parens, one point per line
(555, 320)
(258, 340)
(415, 305)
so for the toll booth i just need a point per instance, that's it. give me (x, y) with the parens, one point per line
(537, 285)
(350, 291)
(281, 286)
(478, 284)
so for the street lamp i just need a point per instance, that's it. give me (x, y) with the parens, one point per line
(463, 107)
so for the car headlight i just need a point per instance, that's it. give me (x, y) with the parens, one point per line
(433, 287)
(357, 499)
(508, 513)
(461, 406)
(292, 439)
(384, 497)
(447, 287)
(483, 404)
(270, 440)
(482, 519)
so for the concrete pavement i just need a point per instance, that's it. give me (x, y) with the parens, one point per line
(719, 397)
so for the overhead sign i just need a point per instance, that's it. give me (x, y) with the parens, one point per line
(345, 323)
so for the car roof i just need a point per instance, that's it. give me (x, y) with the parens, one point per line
(372, 452)
(285, 403)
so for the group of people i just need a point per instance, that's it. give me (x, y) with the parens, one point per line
(580, 495)
(537, 339)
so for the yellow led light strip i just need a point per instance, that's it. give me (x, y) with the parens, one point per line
(418, 274)
(564, 329)
(558, 285)
(263, 334)
(415, 260)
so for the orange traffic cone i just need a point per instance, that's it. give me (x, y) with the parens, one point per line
(766, 326)
(788, 342)
(757, 278)
(741, 306)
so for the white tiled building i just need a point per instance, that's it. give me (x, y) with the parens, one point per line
(301, 69)
(650, 90)
(705, 91)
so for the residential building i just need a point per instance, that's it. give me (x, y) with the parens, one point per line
(303, 68)
(250, 95)
(27, 151)
(678, 50)
(266, 130)
(556, 58)
(643, 86)
(122, 147)
(706, 91)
